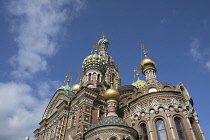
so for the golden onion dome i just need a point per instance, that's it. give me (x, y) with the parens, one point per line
(147, 62)
(112, 94)
(139, 84)
(76, 87)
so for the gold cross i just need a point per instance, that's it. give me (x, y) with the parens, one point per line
(81, 74)
(144, 50)
(103, 35)
(96, 46)
(68, 76)
(137, 72)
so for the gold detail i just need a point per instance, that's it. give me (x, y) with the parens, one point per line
(137, 72)
(111, 94)
(81, 74)
(96, 47)
(144, 50)
(103, 35)
(76, 87)
(68, 76)
(147, 62)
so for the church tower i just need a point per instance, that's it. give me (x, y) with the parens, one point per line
(100, 108)
(159, 111)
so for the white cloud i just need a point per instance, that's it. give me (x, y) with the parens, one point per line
(20, 112)
(36, 24)
(198, 54)
(208, 65)
(194, 50)
(44, 87)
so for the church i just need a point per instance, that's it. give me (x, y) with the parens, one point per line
(100, 108)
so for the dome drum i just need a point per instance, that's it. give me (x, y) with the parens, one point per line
(95, 68)
(150, 67)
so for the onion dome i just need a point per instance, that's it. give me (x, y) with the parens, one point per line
(76, 87)
(103, 41)
(139, 84)
(67, 92)
(111, 94)
(147, 62)
(110, 121)
(65, 88)
(94, 60)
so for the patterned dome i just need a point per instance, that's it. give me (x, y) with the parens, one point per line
(139, 84)
(110, 121)
(103, 41)
(94, 60)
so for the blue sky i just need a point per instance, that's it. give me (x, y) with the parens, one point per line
(42, 40)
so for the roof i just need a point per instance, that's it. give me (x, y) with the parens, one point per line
(110, 121)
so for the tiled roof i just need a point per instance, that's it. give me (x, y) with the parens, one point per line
(110, 121)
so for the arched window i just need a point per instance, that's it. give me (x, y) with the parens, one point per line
(144, 135)
(179, 128)
(89, 77)
(161, 130)
(98, 78)
(113, 138)
(112, 76)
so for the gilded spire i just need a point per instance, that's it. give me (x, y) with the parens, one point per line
(144, 50)
(81, 74)
(68, 77)
(103, 35)
(136, 70)
(96, 47)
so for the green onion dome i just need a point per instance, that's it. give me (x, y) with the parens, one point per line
(103, 41)
(68, 92)
(94, 60)
(139, 84)
(65, 88)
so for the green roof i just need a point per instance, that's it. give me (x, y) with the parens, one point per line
(110, 121)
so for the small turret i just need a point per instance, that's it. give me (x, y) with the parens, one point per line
(148, 67)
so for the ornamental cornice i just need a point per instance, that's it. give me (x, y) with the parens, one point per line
(85, 100)
(74, 108)
(87, 92)
(156, 95)
(52, 101)
(156, 106)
